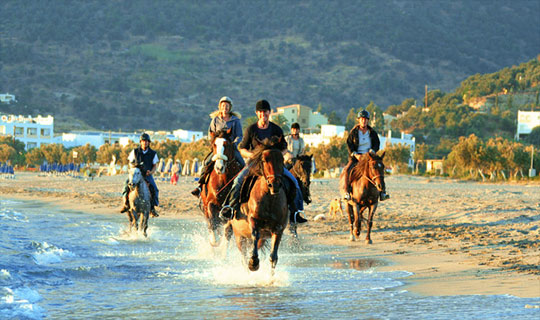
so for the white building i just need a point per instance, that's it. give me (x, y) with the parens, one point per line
(7, 98)
(99, 138)
(328, 131)
(527, 120)
(32, 131)
(187, 135)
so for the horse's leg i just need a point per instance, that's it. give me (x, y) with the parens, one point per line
(357, 219)
(254, 261)
(212, 224)
(276, 239)
(372, 210)
(360, 219)
(144, 221)
(350, 215)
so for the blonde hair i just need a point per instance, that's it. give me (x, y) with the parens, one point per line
(232, 113)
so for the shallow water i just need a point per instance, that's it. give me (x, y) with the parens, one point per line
(64, 264)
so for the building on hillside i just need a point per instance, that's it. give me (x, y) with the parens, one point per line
(309, 121)
(405, 139)
(388, 118)
(32, 131)
(527, 121)
(7, 98)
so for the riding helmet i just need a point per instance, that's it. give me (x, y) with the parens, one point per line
(145, 136)
(363, 114)
(226, 99)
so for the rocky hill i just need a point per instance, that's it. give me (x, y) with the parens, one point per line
(164, 64)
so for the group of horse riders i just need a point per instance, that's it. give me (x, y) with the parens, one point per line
(361, 139)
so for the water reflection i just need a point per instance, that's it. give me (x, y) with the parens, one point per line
(357, 264)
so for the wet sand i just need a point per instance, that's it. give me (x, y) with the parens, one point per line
(456, 237)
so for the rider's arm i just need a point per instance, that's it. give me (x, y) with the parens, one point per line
(246, 153)
(155, 162)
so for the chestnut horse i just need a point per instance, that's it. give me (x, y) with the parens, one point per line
(367, 181)
(265, 215)
(214, 192)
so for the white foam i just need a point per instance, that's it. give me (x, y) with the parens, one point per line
(4, 274)
(20, 303)
(49, 254)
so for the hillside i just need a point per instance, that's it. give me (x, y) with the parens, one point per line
(163, 64)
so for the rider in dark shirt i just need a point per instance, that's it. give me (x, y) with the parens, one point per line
(149, 159)
(255, 133)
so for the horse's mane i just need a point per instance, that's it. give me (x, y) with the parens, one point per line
(256, 159)
(223, 133)
(303, 165)
(362, 166)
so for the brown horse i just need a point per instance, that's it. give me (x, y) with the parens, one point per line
(265, 215)
(367, 181)
(301, 170)
(215, 190)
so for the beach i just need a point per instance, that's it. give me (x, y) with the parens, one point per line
(455, 237)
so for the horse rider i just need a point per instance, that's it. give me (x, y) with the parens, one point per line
(148, 158)
(253, 136)
(222, 119)
(361, 139)
(295, 145)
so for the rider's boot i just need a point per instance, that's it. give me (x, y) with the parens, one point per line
(153, 212)
(295, 215)
(125, 206)
(229, 210)
(384, 196)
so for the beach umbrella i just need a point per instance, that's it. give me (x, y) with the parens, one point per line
(195, 167)
(169, 165)
(185, 171)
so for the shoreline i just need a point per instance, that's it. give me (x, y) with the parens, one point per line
(456, 238)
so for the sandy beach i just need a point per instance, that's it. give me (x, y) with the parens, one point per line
(456, 237)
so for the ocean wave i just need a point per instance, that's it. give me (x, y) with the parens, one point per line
(20, 303)
(48, 254)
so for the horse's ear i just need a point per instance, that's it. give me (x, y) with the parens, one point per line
(382, 155)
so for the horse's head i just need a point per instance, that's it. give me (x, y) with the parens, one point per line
(223, 150)
(302, 170)
(135, 177)
(375, 171)
(272, 167)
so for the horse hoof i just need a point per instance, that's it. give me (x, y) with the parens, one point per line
(254, 264)
(352, 238)
(368, 241)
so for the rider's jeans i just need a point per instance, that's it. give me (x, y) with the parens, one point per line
(235, 190)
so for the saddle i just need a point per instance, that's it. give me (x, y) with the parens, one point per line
(250, 180)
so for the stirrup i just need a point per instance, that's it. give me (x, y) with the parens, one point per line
(297, 218)
(226, 213)
(384, 196)
(347, 196)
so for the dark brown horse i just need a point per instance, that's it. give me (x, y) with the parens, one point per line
(367, 181)
(265, 215)
(215, 190)
(301, 170)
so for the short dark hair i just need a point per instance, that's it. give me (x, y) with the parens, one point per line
(295, 126)
(262, 105)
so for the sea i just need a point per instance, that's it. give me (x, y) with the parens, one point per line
(65, 264)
